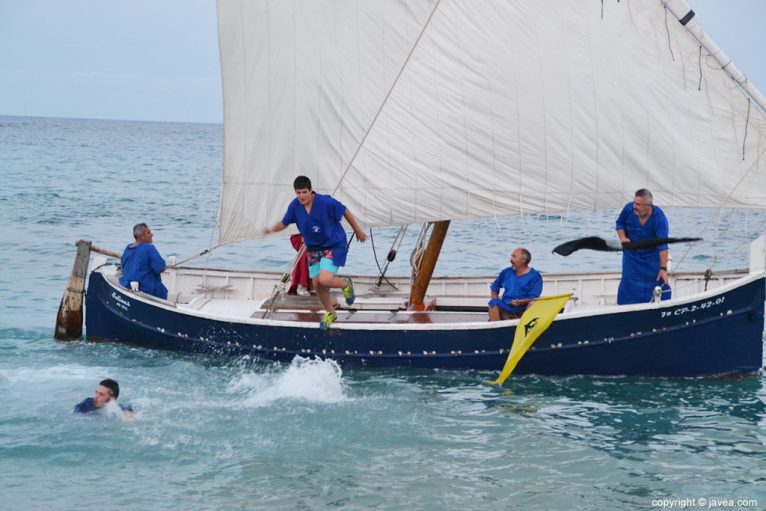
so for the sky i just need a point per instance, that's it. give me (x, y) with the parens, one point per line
(157, 60)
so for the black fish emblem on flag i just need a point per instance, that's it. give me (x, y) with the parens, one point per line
(530, 325)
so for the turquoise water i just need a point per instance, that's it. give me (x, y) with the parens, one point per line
(239, 434)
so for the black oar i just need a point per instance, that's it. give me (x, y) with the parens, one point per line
(600, 244)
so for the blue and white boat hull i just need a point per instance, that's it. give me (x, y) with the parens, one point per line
(719, 333)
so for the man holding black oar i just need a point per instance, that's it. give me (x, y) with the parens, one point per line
(646, 268)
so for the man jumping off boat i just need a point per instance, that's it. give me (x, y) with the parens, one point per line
(521, 284)
(642, 269)
(318, 219)
(142, 263)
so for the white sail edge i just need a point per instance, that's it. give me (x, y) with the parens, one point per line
(681, 10)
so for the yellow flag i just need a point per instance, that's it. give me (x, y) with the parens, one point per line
(535, 320)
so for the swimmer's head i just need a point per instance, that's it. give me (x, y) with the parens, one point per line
(106, 391)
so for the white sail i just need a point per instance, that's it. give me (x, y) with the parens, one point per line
(411, 111)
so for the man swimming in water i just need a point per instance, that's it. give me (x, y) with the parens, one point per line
(104, 400)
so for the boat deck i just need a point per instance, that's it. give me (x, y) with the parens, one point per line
(366, 309)
(379, 317)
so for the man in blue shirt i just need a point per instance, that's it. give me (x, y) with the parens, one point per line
(318, 219)
(104, 401)
(521, 284)
(142, 263)
(646, 268)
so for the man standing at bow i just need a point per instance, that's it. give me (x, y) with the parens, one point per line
(642, 269)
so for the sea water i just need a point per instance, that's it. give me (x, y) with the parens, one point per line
(243, 434)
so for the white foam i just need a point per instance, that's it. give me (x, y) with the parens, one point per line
(308, 380)
(111, 409)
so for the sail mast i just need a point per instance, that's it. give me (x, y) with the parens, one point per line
(686, 17)
(427, 265)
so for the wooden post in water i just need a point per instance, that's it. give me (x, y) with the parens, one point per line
(69, 317)
(427, 265)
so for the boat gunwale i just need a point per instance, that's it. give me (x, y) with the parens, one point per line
(473, 325)
(490, 277)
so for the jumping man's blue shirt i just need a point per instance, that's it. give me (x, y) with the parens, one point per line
(321, 229)
(640, 267)
(516, 287)
(143, 263)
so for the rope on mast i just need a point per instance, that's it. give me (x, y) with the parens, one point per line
(417, 252)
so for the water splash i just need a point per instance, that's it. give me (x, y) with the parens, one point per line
(305, 379)
(113, 410)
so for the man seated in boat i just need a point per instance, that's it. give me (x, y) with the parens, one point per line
(142, 263)
(318, 219)
(104, 402)
(521, 284)
(646, 268)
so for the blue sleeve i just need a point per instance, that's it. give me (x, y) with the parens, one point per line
(123, 260)
(84, 406)
(662, 229)
(623, 217)
(124, 253)
(498, 283)
(337, 209)
(155, 259)
(289, 217)
(536, 288)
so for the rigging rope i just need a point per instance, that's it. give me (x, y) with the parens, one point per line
(211, 247)
(210, 250)
(389, 258)
(279, 287)
(708, 228)
(734, 189)
(388, 95)
(417, 252)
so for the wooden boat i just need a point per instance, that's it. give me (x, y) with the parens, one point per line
(436, 110)
(717, 331)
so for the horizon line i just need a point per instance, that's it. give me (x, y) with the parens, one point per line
(219, 123)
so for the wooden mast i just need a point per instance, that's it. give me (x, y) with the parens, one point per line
(69, 317)
(427, 265)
